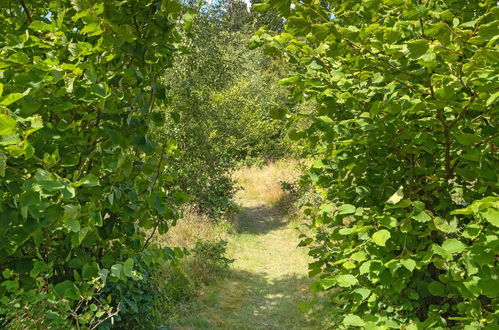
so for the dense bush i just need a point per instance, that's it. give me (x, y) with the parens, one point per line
(209, 260)
(81, 171)
(404, 141)
(147, 300)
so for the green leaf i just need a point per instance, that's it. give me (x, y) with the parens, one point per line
(351, 320)
(71, 212)
(40, 26)
(397, 196)
(188, 19)
(128, 267)
(67, 289)
(116, 270)
(358, 256)
(90, 271)
(491, 214)
(11, 98)
(380, 237)
(7, 125)
(440, 32)
(436, 289)
(62, 107)
(489, 31)
(491, 100)
(92, 29)
(346, 280)
(441, 252)
(283, 7)
(260, 7)
(89, 180)
(103, 273)
(489, 287)
(421, 216)
(467, 138)
(315, 65)
(362, 293)
(100, 90)
(289, 80)
(7, 273)
(326, 283)
(346, 209)
(446, 226)
(20, 58)
(472, 155)
(409, 264)
(72, 225)
(453, 246)
(417, 48)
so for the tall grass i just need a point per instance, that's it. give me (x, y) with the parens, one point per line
(194, 227)
(263, 183)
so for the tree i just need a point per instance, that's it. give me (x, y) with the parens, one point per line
(80, 171)
(404, 139)
(221, 95)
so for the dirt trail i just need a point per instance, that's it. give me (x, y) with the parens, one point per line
(267, 281)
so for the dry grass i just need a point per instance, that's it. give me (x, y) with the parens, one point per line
(194, 227)
(259, 184)
(263, 183)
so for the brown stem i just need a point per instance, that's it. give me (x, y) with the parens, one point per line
(461, 114)
(146, 244)
(26, 11)
(158, 172)
(447, 145)
(421, 23)
(490, 138)
(432, 91)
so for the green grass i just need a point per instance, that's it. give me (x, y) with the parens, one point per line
(265, 285)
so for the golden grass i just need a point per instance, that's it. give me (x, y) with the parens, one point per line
(194, 227)
(258, 183)
(263, 183)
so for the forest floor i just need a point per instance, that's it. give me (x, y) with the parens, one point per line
(268, 280)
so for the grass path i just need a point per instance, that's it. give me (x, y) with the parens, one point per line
(267, 281)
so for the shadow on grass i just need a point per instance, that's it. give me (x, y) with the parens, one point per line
(246, 300)
(259, 219)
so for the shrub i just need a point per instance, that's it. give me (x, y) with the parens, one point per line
(80, 166)
(150, 296)
(209, 261)
(404, 137)
(42, 306)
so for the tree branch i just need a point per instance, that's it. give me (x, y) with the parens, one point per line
(146, 244)
(26, 11)
(448, 168)
(461, 114)
(490, 138)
